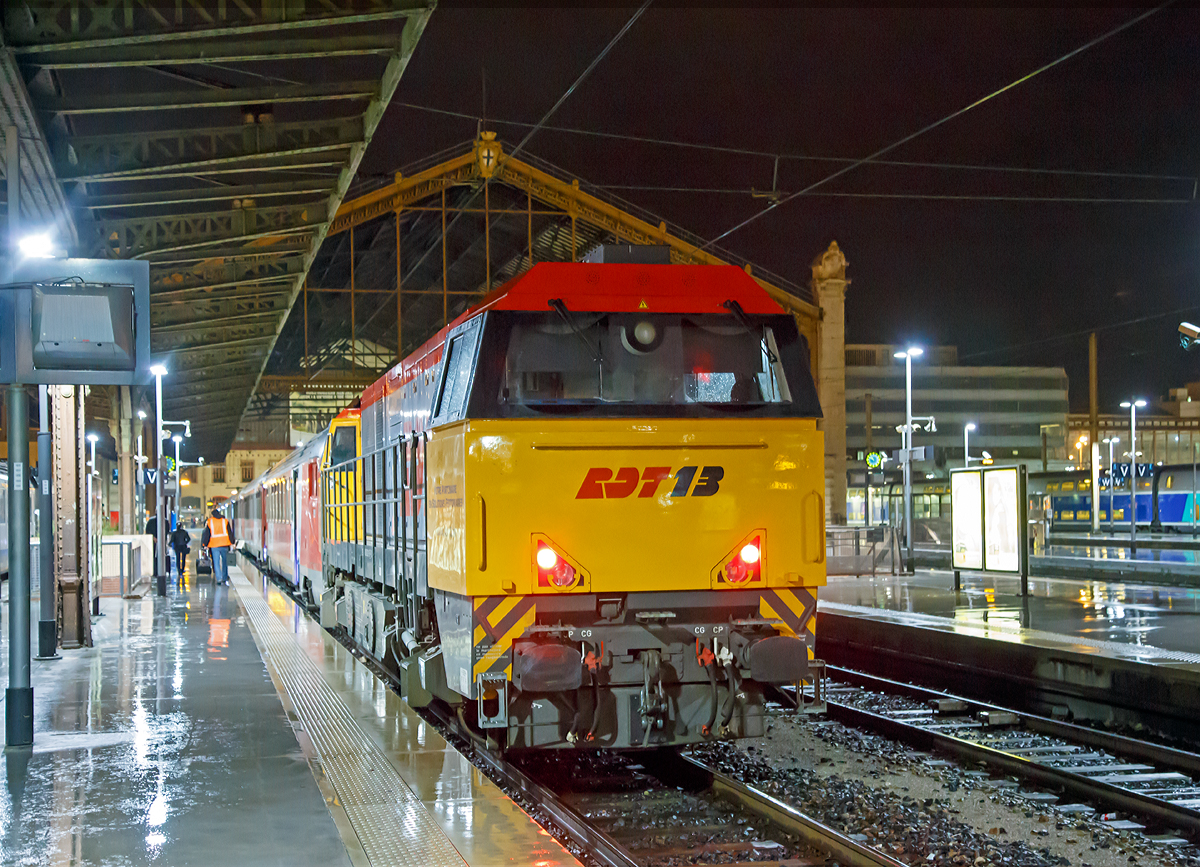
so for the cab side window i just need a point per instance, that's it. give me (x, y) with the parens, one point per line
(458, 365)
(344, 447)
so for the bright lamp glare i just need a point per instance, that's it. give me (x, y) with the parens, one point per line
(546, 558)
(900, 355)
(158, 370)
(141, 414)
(916, 351)
(177, 439)
(749, 553)
(970, 425)
(92, 438)
(1139, 403)
(36, 246)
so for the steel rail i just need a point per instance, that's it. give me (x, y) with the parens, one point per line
(1114, 796)
(845, 850)
(1130, 747)
(598, 844)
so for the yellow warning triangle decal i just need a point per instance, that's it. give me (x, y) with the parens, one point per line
(642, 305)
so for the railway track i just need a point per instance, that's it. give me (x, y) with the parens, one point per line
(1157, 783)
(659, 809)
(664, 809)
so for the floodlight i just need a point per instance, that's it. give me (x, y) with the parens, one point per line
(37, 246)
(159, 370)
(177, 439)
(969, 426)
(987, 455)
(142, 414)
(92, 438)
(915, 351)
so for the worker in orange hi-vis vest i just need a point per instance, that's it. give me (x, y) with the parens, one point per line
(218, 539)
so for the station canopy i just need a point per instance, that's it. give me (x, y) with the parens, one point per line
(444, 232)
(215, 139)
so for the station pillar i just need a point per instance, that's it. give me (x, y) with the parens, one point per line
(123, 404)
(69, 480)
(829, 288)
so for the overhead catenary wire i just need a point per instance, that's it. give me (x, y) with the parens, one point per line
(792, 157)
(937, 123)
(524, 141)
(1070, 335)
(938, 197)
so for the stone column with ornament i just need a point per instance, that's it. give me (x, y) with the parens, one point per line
(829, 289)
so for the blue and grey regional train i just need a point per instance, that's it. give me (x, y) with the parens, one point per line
(1166, 498)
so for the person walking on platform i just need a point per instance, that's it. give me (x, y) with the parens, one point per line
(152, 532)
(218, 539)
(181, 543)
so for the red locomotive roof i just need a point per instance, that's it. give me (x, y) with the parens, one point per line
(629, 288)
(595, 288)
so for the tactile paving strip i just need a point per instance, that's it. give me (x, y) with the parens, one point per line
(392, 825)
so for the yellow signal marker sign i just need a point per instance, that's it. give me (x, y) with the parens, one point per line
(642, 305)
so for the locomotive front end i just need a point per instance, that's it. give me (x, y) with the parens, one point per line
(625, 508)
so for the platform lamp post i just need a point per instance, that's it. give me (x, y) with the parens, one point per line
(967, 428)
(1132, 406)
(140, 490)
(1111, 441)
(908, 355)
(160, 575)
(87, 520)
(48, 609)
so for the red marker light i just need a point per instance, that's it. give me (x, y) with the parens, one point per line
(552, 569)
(546, 558)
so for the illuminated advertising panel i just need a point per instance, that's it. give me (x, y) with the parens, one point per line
(1002, 530)
(966, 519)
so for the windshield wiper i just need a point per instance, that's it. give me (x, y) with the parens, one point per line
(740, 315)
(561, 309)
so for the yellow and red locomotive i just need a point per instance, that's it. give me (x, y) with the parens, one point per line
(588, 512)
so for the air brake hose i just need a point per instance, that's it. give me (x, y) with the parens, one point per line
(712, 713)
(577, 720)
(595, 705)
(727, 710)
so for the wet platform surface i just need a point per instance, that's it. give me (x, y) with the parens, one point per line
(221, 725)
(165, 743)
(1148, 623)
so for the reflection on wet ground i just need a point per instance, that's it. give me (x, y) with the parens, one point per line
(1121, 612)
(166, 743)
(1104, 552)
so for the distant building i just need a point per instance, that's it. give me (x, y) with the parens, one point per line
(1017, 411)
(1167, 433)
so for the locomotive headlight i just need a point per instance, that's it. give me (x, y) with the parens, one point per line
(546, 558)
(645, 332)
(749, 553)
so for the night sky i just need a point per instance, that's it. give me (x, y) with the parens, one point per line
(986, 276)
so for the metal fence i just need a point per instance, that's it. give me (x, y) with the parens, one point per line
(120, 567)
(862, 550)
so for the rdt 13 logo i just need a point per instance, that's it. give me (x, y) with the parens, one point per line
(601, 483)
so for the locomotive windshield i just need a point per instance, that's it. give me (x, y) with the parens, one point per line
(559, 360)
